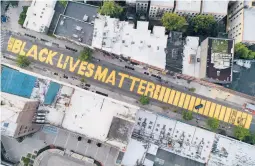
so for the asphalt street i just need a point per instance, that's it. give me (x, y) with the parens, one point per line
(126, 84)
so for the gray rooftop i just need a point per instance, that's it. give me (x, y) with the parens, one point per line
(76, 24)
(120, 130)
(67, 27)
(78, 10)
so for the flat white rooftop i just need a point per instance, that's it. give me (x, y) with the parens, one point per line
(162, 3)
(175, 137)
(215, 7)
(91, 115)
(188, 6)
(191, 52)
(229, 152)
(121, 38)
(39, 15)
(248, 26)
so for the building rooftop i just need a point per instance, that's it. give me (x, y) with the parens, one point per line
(191, 56)
(215, 7)
(11, 107)
(227, 152)
(39, 15)
(188, 6)
(173, 136)
(248, 26)
(94, 116)
(76, 24)
(121, 38)
(163, 3)
(220, 59)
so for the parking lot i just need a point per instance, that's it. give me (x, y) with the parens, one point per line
(59, 137)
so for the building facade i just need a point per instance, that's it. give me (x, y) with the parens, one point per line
(240, 22)
(158, 8)
(39, 15)
(17, 115)
(142, 7)
(218, 9)
(187, 8)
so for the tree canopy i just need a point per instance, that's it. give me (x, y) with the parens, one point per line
(22, 61)
(110, 8)
(144, 100)
(23, 15)
(173, 22)
(85, 54)
(241, 51)
(213, 123)
(187, 115)
(240, 132)
(203, 25)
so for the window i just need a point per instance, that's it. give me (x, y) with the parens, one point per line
(149, 127)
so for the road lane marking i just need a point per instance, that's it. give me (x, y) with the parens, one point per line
(248, 121)
(217, 111)
(182, 98)
(227, 115)
(198, 100)
(171, 98)
(186, 103)
(207, 108)
(177, 97)
(211, 113)
(222, 113)
(192, 103)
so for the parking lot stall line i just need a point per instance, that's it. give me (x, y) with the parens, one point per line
(248, 121)
(222, 112)
(201, 110)
(192, 103)
(207, 108)
(217, 111)
(171, 98)
(186, 103)
(167, 94)
(198, 100)
(177, 97)
(227, 114)
(182, 99)
(238, 119)
(211, 112)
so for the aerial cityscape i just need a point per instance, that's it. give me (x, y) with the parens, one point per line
(128, 83)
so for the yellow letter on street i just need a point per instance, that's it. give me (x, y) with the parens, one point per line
(101, 75)
(123, 76)
(50, 56)
(82, 67)
(44, 51)
(33, 52)
(111, 78)
(16, 46)
(141, 87)
(134, 79)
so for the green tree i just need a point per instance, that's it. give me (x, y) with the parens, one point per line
(86, 54)
(110, 8)
(251, 55)
(63, 2)
(22, 61)
(23, 15)
(240, 132)
(25, 161)
(144, 100)
(203, 25)
(187, 115)
(241, 51)
(83, 79)
(213, 123)
(173, 22)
